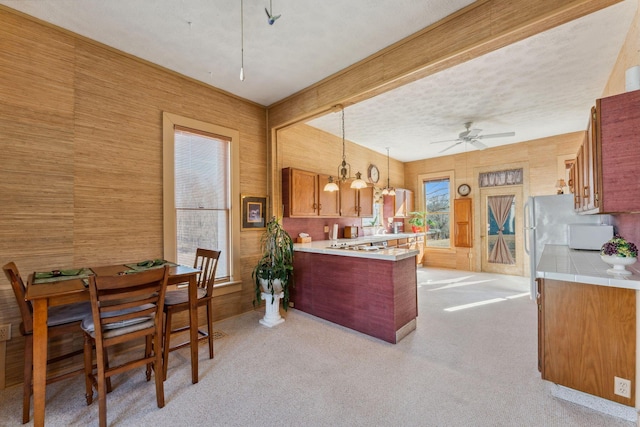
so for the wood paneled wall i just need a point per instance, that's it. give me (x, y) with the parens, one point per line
(539, 158)
(308, 148)
(629, 56)
(304, 147)
(81, 171)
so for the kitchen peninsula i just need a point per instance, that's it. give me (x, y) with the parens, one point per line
(358, 283)
(587, 329)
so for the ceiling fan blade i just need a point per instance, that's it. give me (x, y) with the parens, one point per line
(497, 135)
(479, 145)
(444, 140)
(449, 147)
(473, 133)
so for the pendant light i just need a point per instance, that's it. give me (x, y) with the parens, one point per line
(344, 169)
(331, 186)
(388, 190)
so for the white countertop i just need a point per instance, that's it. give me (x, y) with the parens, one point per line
(558, 262)
(336, 247)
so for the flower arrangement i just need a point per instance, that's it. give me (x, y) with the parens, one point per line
(619, 247)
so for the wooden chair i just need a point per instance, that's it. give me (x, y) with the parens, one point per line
(124, 308)
(176, 301)
(62, 320)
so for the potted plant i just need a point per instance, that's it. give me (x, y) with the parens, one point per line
(273, 275)
(419, 221)
(619, 253)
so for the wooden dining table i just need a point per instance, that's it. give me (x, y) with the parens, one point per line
(45, 295)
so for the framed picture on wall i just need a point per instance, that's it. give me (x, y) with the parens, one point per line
(254, 211)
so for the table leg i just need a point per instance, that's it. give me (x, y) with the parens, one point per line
(40, 338)
(193, 326)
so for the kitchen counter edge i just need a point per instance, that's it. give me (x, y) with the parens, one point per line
(328, 247)
(559, 262)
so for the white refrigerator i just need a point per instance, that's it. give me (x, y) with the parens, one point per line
(546, 221)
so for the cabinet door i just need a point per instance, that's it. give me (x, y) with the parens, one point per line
(572, 183)
(462, 215)
(540, 302)
(408, 203)
(304, 193)
(348, 200)
(365, 202)
(619, 121)
(417, 243)
(593, 159)
(579, 179)
(328, 202)
(588, 337)
(400, 203)
(586, 161)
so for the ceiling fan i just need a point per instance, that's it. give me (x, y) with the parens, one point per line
(472, 136)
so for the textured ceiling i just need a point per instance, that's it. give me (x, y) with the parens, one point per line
(541, 86)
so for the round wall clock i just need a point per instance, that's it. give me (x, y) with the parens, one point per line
(373, 174)
(464, 190)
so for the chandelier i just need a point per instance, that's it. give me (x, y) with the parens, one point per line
(344, 169)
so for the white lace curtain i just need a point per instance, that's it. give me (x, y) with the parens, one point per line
(506, 177)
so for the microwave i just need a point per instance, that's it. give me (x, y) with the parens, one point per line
(589, 236)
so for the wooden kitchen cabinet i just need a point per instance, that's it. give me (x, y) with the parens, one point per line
(398, 206)
(585, 173)
(303, 195)
(417, 242)
(463, 218)
(609, 158)
(587, 336)
(403, 203)
(354, 202)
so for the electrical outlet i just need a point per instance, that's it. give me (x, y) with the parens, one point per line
(326, 228)
(5, 332)
(622, 387)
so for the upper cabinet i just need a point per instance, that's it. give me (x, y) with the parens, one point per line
(462, 215)
(585, 175)
(303, 195)
(355, 203)
(605, 172)
(400, 205)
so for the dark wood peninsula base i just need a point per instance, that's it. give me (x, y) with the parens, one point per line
(373, 296)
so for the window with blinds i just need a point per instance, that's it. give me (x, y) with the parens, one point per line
(202, 196)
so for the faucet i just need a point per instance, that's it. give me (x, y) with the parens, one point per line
(380, 231)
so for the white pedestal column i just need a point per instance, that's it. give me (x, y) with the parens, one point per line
(272, 313)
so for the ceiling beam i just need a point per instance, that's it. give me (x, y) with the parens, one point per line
(482, 27)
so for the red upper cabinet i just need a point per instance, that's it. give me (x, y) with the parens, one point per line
(617, 154)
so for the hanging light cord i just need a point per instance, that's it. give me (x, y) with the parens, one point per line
(388, 169)
(344, 157)
(241, 40)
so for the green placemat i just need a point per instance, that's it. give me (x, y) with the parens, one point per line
(61, 275)
(148, 265)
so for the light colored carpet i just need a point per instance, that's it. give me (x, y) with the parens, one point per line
(471, 367)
